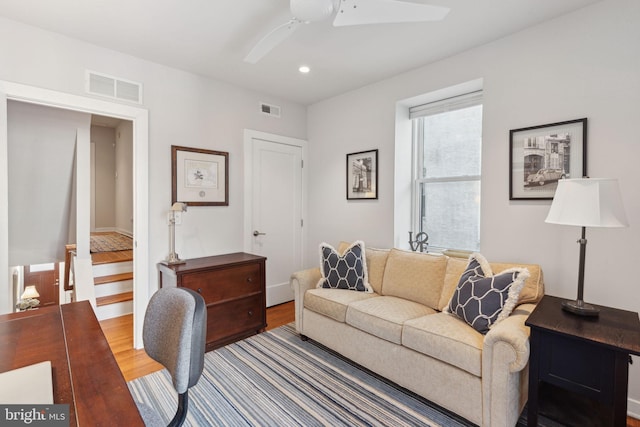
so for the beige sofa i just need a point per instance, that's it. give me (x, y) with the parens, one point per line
(400, 332)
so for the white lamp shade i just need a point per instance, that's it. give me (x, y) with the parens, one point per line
(30, 292)
(588, 202)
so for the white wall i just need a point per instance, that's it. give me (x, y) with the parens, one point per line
(184, 109)
(585, 64)
(124, 180)
(42, 149)
(104, 191)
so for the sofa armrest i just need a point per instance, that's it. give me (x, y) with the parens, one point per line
(300, 282)
(513, 332)
(505, 358)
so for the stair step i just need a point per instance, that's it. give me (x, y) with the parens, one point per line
(111, 257)
(101, 280)
(112, 299)
(114, 310)
(112, 268)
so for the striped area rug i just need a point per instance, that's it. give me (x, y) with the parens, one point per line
(276, 379)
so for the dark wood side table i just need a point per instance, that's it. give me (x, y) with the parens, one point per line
(234, 290)
(579, 366)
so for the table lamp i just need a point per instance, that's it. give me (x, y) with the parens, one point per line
(586, 202)
(173, 258)
(29, 298)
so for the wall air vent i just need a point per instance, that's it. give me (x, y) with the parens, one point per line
(270, 110)
(113, 87)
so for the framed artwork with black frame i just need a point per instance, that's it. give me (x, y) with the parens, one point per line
(541, 155)
(199, 177)
(362, 175)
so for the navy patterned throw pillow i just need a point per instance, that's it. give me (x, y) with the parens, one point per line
(482, 299)
(346, 271)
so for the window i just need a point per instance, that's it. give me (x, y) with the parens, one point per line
(447, 138)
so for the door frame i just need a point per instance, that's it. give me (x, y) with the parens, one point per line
(249, 135)
(140, 118)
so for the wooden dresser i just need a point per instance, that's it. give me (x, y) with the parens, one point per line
(233, 287)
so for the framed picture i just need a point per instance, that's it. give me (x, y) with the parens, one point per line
(199, 177)
(541, 155)
(362, 175)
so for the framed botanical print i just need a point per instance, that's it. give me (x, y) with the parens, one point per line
(541, 155)
(199, 177)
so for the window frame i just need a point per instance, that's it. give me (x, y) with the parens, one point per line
(418, 180)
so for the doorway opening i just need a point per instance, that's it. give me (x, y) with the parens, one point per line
(139, 119)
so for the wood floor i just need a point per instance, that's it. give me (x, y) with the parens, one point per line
(136, 363)
(109, 257)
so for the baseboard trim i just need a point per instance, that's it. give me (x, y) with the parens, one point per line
(278, 294)
(104, 229)
(114, 230)
(125, 232)
(633, 408)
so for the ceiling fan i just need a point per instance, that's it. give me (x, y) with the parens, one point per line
(347, 12)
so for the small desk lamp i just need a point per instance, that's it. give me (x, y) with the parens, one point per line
(173, 256)
(29, 298)
(586, 202)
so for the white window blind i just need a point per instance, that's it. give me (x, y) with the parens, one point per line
(449, 104)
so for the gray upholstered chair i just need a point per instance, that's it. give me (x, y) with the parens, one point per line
(174, 332)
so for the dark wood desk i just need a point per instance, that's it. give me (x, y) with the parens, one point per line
(85, 373)
(579, 366)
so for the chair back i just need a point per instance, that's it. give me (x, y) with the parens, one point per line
(174, 334)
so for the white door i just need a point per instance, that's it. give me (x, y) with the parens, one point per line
(275, 227)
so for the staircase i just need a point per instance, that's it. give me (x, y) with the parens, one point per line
(113, 281)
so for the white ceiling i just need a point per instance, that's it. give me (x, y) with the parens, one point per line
(211, 38)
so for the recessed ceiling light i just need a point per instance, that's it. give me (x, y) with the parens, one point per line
(304, 69)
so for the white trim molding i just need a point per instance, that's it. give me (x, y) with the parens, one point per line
(140, 118)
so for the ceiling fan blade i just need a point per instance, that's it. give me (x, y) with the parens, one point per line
(360, 12)
(271, 40)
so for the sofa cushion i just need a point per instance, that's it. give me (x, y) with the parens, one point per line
(384, 316)
(482, 299)
(376, 263)
(347, 270)
(333, 302)
(445, 338)
(533, 289)
(455, 268)
(414, 276)
(531, 292)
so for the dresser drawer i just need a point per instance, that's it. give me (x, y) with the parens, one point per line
(233, 287)
(235, 317)
(225, 283)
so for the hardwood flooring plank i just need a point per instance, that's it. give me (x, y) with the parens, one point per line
(110, 257)
(281, 314)
(135, 363)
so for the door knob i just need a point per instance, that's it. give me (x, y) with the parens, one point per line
(256, 233)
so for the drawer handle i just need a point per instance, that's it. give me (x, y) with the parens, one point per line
(199, 290)
(250, 313)
(249, 280)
